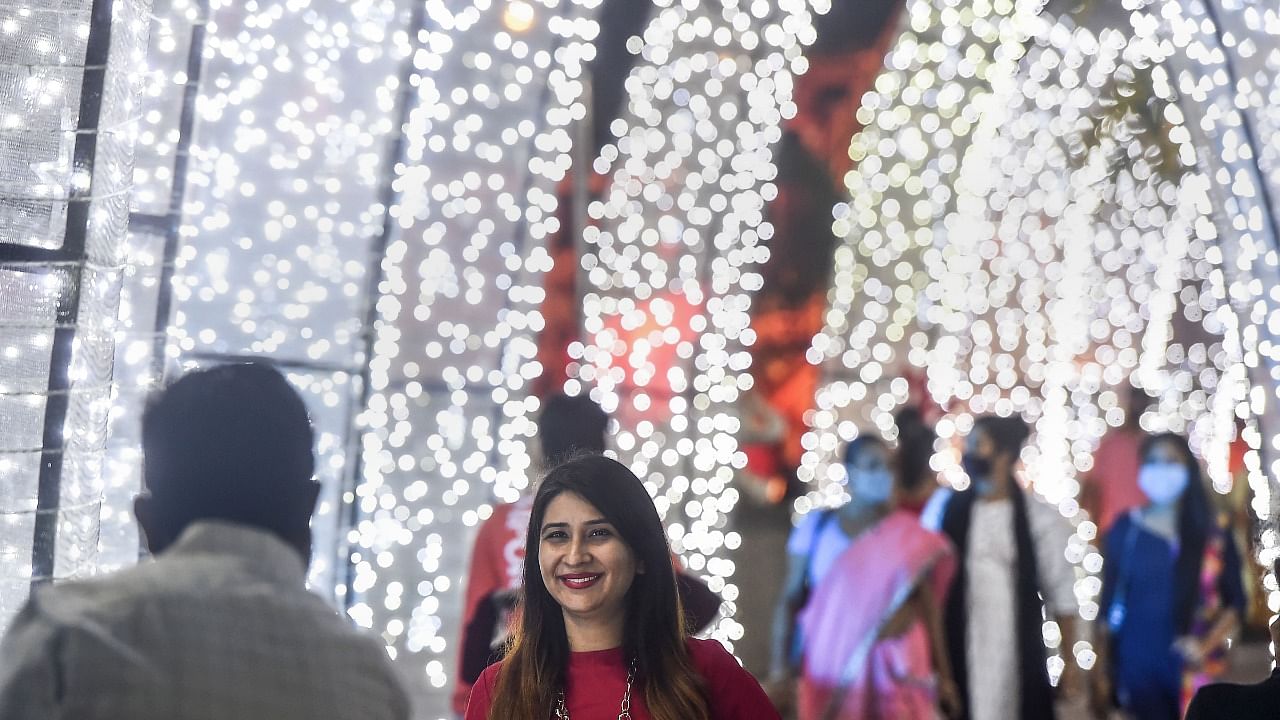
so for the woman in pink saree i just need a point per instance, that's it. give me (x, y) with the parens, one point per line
(872, 631)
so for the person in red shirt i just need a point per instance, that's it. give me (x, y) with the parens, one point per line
(567, 425)
(601, 632)
(1111, 487)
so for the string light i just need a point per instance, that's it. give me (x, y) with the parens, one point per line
(917, 123)
(1223, 62)
(295, 113)
(165, 84)
(670, 259)
(68, 137)
(498, 88)
(1079, 227)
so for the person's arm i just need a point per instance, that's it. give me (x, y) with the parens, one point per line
(1194, 649)
(29, 660)
(784, 617)
(1100, 689)
(782, 670)
(799, 547)
(948, 691)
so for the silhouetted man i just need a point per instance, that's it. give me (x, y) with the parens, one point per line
(220, 625)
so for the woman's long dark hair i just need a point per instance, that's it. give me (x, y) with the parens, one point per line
(654, 635)
(1195, 517)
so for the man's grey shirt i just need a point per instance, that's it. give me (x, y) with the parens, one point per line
(218, 626)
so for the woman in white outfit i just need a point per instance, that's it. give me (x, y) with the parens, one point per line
(1011, 548)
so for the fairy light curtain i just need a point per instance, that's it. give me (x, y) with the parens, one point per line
(166, 113)
(1224, 62)
(496, 90)
(283, 214)
(71, 72)
(264, 209)
(671, 257)
(1032, 226)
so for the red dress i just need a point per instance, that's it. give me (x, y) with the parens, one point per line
(598, 680)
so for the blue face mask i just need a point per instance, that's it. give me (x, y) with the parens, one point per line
(870, 485)
(976, 467)
(1163, 483)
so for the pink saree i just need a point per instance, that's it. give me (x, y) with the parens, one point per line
(889, 678)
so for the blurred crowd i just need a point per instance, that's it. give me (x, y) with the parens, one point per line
(910, 600)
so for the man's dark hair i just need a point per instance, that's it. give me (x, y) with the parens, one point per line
(1008, 434)
(569, 425)
(229, 443)
(916, 439)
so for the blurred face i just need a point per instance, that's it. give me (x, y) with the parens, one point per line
(979, 443)
(869, 476)
(979, 457)
(1163, 476)
(585, 565)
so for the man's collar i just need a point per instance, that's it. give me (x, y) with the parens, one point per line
(265, 553)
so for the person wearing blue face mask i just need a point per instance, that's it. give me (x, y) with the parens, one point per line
(874, 642)
(1171, 592)
(816, 542)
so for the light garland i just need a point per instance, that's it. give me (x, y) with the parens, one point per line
(1223, 61)
(296, 110)
(175, 25)
(932, 86)
(73, 73)
(1051, 277)
(670, 259)
(284, 201)
(498, 88)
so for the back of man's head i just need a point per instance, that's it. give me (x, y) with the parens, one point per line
(229, 443)
(570, 424)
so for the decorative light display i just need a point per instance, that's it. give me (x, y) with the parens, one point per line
(1062, 270)
(166, 109)
(917, 124)
(71, 75)
(1224, 59)
(283, 207)
(1044, 208)
(1036, 269)
(670, 259)
(498, 87)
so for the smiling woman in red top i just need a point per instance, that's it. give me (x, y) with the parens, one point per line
(601, 633)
